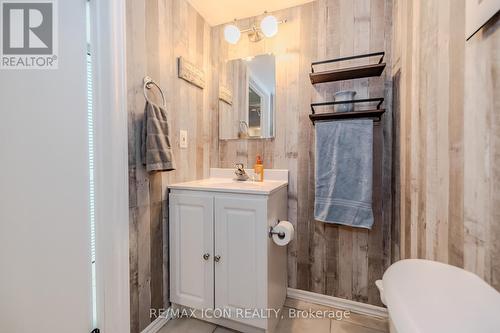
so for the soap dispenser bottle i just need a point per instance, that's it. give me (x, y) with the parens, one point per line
(259, 169)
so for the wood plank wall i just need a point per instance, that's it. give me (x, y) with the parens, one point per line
(448, 108)
(159, 31)
(328, 259)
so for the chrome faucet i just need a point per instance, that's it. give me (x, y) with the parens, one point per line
(240, 172)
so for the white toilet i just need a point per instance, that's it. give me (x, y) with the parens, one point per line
(425, 296)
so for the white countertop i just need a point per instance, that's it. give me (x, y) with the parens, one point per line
(221, 180)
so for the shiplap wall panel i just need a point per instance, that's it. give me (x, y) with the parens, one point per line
(327, 259)
(449, 107)
(324, 258)
(481, 154)
(159, 31)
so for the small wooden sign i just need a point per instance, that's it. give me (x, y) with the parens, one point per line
(190, 73)
(225, 95)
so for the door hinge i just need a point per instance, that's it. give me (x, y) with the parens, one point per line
(96, 331)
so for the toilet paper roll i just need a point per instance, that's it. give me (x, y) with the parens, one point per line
(286, 228)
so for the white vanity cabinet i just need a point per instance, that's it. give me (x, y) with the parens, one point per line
(191, 249)
(220, 252)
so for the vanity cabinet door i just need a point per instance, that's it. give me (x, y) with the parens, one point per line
(240, 255)
(191, 250)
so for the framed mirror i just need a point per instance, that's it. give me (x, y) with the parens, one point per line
(247, 98)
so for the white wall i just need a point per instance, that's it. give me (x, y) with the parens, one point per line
(44, 228)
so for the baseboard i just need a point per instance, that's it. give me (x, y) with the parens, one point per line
(301, 295)
(158, 323)
(338, 303)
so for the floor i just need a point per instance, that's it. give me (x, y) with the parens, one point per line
(354, 324)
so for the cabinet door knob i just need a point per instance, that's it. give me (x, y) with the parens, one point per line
(206, 256)
(217, 258)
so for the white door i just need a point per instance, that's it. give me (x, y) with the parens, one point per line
(191, 250)
(241, 243)
(45, 268)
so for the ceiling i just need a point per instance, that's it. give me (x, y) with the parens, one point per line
(218, 12)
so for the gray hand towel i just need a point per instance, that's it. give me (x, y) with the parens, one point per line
(156, 149)
(344, 162)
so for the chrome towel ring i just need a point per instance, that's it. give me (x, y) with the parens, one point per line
(148, 82)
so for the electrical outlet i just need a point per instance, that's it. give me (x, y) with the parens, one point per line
(183, 139)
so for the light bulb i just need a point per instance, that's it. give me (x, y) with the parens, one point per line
(232, 34)
(269, 26)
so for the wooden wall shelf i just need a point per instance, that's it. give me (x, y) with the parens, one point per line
(377, 113)
(349, 73)
(371, 113)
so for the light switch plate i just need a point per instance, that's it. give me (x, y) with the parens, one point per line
(183, 139)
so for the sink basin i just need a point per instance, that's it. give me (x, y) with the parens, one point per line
(222, 180)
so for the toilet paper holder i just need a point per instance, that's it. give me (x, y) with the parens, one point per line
(281, 235)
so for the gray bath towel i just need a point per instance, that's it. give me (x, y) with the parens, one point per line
(156, 149)
(344, 162)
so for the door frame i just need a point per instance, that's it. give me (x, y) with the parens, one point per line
(108, 42)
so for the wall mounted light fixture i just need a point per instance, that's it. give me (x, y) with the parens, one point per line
(268, 28)
(232, 33)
